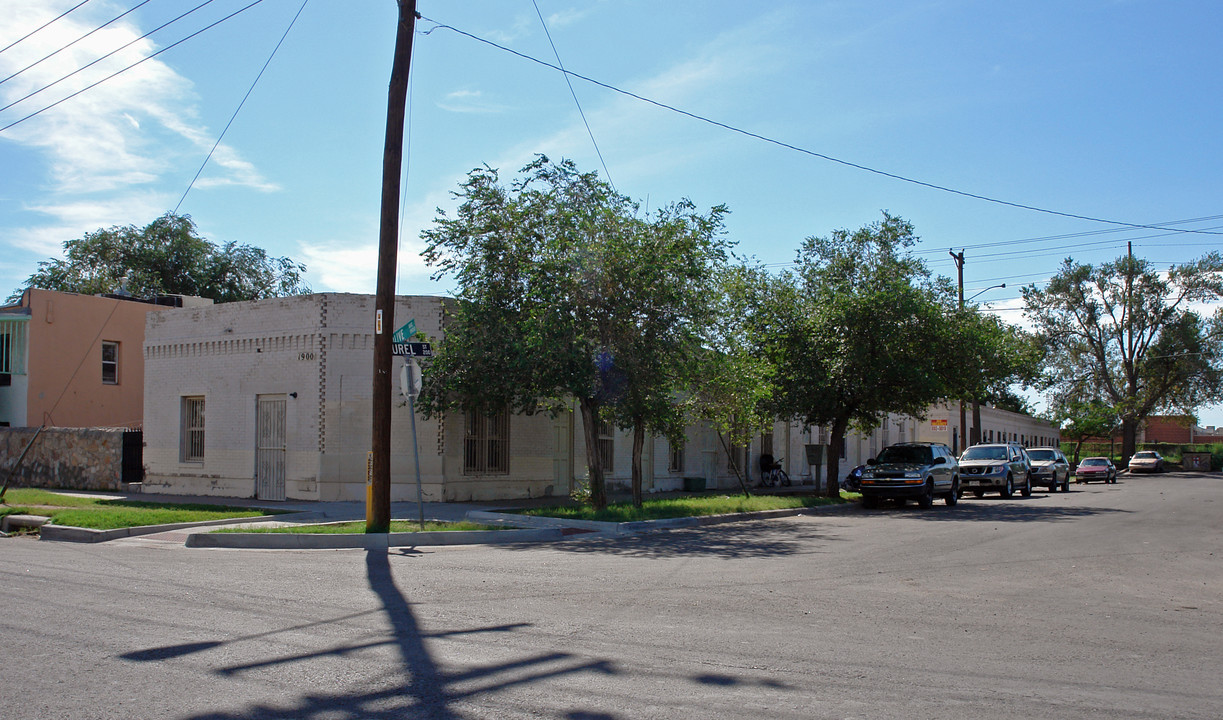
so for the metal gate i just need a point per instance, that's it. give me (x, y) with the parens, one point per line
(270, 447)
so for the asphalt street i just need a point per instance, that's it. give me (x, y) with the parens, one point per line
(1104, 602)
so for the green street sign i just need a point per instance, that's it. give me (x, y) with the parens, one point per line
(405, 333)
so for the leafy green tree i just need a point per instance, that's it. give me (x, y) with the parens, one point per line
(566, 294)
(1082, 419)
(859, 330)
(1131, 336)
(667, 272)
(167, 257)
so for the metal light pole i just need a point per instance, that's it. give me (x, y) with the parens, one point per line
(975, 436)
(409, 385)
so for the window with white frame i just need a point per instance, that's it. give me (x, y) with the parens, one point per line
(192, 435)
(486, 442)
(110, 362)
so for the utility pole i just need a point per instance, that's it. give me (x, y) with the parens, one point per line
(378, 514)
(959, 266)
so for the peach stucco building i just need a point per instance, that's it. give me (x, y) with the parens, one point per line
(69, 360)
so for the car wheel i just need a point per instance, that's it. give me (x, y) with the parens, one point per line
(1009, 490)
(1066, 484)
(1027, 487)
(869, 502)
(953, 497)
(978, 493)
(926, 499)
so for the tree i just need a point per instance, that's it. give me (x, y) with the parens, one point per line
(1131, 336)
(1083, 419)
(994, 355)
(859, 330)
(167, 257)
(565, 293)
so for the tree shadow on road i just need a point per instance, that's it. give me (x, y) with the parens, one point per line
(750, 539)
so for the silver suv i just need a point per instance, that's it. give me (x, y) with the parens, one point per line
(996, 466)
(1049, 468)
(915, 470)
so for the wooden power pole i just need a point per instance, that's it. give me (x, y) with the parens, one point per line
(378, 514)
(959, 265)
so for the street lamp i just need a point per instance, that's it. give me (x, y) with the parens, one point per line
(976, 403)
(992, 287)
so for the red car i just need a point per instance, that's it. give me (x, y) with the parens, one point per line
(1096, 468)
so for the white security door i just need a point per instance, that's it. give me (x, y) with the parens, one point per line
(270, 433)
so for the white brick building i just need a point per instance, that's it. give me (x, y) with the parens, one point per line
(272, 399)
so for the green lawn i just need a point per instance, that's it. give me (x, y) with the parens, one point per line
(692, 506)
(357, 527)
(110, 514)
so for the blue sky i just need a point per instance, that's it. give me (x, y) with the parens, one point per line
(1106, 109)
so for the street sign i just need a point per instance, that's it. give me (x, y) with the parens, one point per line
(410, 379)
(412, 349)
(405, 333)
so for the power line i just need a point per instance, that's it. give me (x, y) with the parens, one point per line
(239, 108)
(74, 42)
(574, 94)
(805, 151)
(43, 26)
(129, 67)
(98, 60)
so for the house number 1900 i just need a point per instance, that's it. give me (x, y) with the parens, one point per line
(305, 356)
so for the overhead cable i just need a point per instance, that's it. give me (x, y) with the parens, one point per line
(805, 151)
(564, 74)
(74, 42)
(129, 67)
(239, 108)
(43, 26)
(107, 55)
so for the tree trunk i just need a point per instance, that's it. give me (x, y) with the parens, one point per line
(1129, 438)
(835, 440)
(638, 445)
(1077, 447)
(734, 466)
(594, 461)
(974, 437)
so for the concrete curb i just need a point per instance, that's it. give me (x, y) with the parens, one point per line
(640, 526)
(64, 533)
(375, 541)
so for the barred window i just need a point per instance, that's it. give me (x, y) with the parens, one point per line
(486, 443)
(607, 445)
(192, 436)
(110, 363)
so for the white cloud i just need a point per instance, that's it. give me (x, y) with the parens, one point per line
(123, 134)
(469, 101)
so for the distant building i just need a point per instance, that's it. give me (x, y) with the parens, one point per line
(69, 360)
(1177, 430)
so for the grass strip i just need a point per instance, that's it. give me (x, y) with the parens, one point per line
(112, 513)
(691, 506)
(358, 527)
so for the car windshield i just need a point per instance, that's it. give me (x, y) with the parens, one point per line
(1094, 461)
(1144, 455)
(906, 454)
(1043, 455)
(985, 452)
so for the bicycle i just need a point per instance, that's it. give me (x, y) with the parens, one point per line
(773, 475)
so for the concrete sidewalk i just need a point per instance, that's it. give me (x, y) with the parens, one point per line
(520, 528)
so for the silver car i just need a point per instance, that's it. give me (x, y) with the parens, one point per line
(996, 467)
(1050, 468)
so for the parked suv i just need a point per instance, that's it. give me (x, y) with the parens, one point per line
(1049, 468)
(915, 470)
(996, 466)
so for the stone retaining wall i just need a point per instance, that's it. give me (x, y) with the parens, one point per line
(65, 458)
